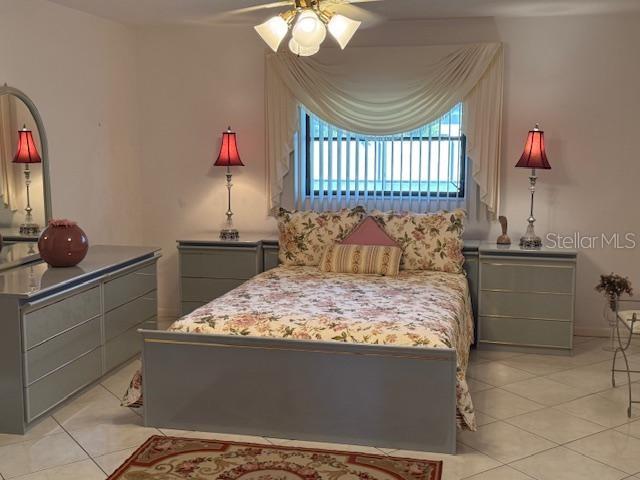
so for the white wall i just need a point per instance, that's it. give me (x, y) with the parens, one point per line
(578, 76)
(80, 72)
(134, 118)
(194, 82)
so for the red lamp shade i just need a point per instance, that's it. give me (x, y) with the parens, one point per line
(534, 155)
(27, 152)
(229, 156)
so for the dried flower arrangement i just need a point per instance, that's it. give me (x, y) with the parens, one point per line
(613, 286)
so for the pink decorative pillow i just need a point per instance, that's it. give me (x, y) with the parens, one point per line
(369, 232)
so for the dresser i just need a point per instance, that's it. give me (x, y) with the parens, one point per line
(526, 298)
(62, 329)
(13, 255)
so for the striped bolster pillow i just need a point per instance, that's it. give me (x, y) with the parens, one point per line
(362, 259)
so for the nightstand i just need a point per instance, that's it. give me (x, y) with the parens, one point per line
(526, 298)
(211, 268)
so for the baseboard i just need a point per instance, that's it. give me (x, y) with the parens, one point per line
(592, 332)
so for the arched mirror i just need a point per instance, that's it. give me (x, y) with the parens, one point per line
(25, 198)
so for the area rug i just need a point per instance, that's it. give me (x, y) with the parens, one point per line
(168, 458)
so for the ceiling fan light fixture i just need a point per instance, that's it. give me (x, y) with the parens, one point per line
(273, 31)
(309, 31)
(343, 29)
(301, 51)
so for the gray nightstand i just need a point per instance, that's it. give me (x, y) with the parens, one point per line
(211, 268)
(526, 298)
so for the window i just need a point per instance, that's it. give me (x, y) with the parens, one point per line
(426, 164)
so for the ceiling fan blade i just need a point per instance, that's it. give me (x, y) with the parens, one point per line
(256, 8)
(241, 16)
(343, 2)
(368, 19)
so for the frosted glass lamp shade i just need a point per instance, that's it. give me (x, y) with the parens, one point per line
(343, 29)
(309, 31)
(273, 31)
(301, 51)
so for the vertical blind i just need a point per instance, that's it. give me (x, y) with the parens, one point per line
(422, 170)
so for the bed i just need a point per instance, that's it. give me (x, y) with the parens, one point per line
(299, 353)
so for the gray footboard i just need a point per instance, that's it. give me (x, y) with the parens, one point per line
(383, 396)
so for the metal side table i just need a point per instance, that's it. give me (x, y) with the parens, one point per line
(627, 325)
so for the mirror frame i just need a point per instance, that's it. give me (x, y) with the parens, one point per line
(44, 146)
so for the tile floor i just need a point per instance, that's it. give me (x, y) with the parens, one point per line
(541, 417)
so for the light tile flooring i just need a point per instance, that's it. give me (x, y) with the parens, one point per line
(541, 417)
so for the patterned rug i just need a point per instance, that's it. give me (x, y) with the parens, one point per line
(169, 458)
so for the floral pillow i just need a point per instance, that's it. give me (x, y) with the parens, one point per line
(429, 241)
(305, 235)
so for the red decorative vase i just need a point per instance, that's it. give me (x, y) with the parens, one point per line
(63, 244)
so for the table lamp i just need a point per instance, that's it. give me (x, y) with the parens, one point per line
(533, 157)
(27, 154)
(229, 157)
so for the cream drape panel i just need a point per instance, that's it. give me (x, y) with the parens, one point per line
(388, 90)
(8, 128)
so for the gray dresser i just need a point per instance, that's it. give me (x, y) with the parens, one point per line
(526, 298)
(61, 329)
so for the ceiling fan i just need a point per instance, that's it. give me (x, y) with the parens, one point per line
(309, 22)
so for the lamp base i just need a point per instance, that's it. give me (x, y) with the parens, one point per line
(530, 239)
(31, 229)
(531, 242)
(229, 234)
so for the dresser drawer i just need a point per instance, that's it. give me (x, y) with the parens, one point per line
(526, 305)
(49, 391)
(521, 331)
(126, 345)
(42, 324)
(128, 287)
(206, 289)
(62, 349)
(188, 307)
(522, 277)
(130, 314)
(270, 258)
(227, 263)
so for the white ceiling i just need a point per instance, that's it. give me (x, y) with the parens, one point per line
(154, 12)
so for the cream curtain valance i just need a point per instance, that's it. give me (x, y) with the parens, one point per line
(388, 90)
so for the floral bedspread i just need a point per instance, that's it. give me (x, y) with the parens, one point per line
(416, 308)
